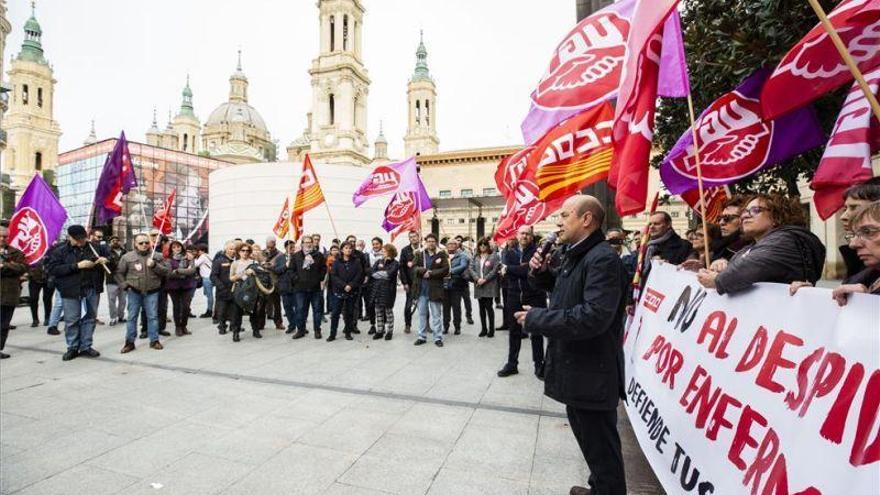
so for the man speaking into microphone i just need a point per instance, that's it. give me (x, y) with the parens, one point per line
(584, 325)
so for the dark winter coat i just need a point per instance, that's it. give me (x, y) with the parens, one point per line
(346, 272)
(114, 255)
(220, 276)
(727, 247)
(14, 266)
(407, 254)
(784, 255)
(385, 289)
(438, 269)
(673, 250)
(182, 274)
(286, 274)
(71, 281)
(583, 366)
(309, 279)
(517, 277)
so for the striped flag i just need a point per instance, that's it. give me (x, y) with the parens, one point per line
(308, 196)
(282, 225)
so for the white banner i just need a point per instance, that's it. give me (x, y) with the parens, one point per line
(757, 393)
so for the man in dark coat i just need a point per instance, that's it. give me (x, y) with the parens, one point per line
(286, 273)
(430, 267)
(273, 300)
(519, 292)
(309, 267)
(223, 285)
(78, 273)
(406, 257)
(12, 267)
(584, 327)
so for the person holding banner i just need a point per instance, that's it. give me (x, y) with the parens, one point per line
(584, 328)
(12, 267)
(77, 271)
(784, 250)
(140, 273)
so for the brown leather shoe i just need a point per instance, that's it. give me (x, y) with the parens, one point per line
(156, 345)
(128, 347)
(579, 490)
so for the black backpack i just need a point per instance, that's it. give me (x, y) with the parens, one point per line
(248, 291)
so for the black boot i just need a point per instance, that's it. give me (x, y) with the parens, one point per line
(491, 333)
(457, 331)
(299, 334)
(348, 336)
(372, 330)
(257, 334)
(317, 333)
(378, 335)
(388, 335)
(222, 330)
(235, 337)
(332, 336)
(483, 333)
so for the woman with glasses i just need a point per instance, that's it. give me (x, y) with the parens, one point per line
(784, 250)
(240, 270)
(698, 245)
(864, 240)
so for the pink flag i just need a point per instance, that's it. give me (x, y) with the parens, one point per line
(674, 81)
(403, 212)
(383, 181)
(634, 116)
(847, 158)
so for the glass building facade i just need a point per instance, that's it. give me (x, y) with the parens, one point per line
(159, 171)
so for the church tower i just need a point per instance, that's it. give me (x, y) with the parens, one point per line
(381, 149)
(340, 86)
(32, 132)
(186, 125)
(421, 94)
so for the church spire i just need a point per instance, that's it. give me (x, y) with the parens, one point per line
(238, 83)
(93, 136)
(421, 72)
(186, 105)
(155, 126)
(32, 46)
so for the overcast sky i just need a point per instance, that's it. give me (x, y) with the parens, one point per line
(116, 59)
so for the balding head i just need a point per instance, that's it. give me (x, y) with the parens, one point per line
(579, 217)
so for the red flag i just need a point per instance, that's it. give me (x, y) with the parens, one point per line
(162, 219)
(308, 196)
(282, 225)
(813, 66)
(574, 155)
(634, 117)
(509, 171)
(715, 199)
(847, 158)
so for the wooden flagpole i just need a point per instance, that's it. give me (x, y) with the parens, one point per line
(330, 216)
(699, 180)
(851, 64)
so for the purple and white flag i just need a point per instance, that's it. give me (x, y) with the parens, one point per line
(37, 220)
(736, 142)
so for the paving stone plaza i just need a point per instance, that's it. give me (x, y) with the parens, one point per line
(276, 416)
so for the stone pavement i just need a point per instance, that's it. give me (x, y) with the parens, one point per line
(277, 416)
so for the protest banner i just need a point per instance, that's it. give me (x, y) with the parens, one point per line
(761, 392)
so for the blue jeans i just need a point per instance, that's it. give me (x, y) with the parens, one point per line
(304, 299)
(208, 290)
(79, 320)
(57, 306)
(434, 310)
(150, 304)
(288, 301)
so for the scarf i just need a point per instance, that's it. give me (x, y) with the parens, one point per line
(652, 245)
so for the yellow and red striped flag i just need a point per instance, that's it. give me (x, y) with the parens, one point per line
(308, 196)
(282, 225)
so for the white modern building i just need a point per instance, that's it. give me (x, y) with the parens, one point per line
(246, 200)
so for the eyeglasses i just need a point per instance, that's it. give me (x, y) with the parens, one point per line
(727, 218)
(863, 233)
(753, 211)
(245, 251)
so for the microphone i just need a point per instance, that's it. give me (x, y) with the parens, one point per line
(546, 246)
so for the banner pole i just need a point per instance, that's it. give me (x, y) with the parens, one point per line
(330, 216)
(699, 181)
(851, 64)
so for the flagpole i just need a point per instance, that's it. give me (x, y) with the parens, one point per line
(699, 180)
(851, 64)
(330, 216)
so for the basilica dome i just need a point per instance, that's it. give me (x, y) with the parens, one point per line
(237, 111)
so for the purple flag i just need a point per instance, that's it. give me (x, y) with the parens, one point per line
(117, 178)
(410, 200)
(673, 82)
(735, 141)
(37, 220)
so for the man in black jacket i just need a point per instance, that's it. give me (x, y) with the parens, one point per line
(519, 292)
(78, 273)
(309, 267)
(407, 254)
(273, 300)
(584, 326)
(223, 285)
(284, 270)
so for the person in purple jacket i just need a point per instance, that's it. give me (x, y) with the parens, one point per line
(179, 285)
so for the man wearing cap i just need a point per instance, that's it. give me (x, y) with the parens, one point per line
(140, 272)
(77, 271)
